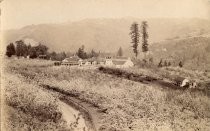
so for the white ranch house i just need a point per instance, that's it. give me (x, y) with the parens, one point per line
(119, 62)
(74, 60)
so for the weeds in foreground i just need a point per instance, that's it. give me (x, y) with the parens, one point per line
(28, 107)
(130, 105)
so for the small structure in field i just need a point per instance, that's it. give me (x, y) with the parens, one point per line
(184, 82)
(86, 62)
(119, 62)
(74, 60)
(91, 61)
(193, 84)
(42, 56)
(108, 61)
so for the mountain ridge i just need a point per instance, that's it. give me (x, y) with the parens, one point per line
(106, 34)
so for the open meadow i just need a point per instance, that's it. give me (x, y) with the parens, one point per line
(122, 104)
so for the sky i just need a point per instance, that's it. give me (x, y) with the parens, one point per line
(19, 13)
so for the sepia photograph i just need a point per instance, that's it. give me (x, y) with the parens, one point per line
(105, 65)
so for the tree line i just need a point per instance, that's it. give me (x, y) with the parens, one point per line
(81, 53)
(20, 49)
(23, 50)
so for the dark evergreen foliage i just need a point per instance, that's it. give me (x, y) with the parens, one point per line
(120, 52)
(135, 37)
(21, 48)
(10, 50)
(145, 36)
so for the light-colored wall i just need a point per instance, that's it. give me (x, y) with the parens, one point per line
(129, 63)
(109, 62)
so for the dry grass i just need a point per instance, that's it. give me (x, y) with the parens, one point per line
(27, 107)
(130, 105)
(169, 73)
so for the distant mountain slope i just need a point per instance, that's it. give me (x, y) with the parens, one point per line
(194, 52)
(106, 34)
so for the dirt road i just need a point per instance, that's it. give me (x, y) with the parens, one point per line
(73, 117)
(77, 113)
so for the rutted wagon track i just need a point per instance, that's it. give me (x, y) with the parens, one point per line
(86, 109)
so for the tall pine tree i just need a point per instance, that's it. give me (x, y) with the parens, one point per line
(120, 52)
(135, 37)
(145, 36)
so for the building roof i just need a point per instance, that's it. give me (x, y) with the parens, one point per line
(118, 62)
(71, 59)
(92, 59)
(42, 56)
(121, 58)
(97, 59)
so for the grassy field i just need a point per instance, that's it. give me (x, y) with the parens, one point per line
(27, 107)
(167, 74)
(130, 105)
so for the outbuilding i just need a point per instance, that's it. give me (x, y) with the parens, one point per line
(119, 62)
(74, 60)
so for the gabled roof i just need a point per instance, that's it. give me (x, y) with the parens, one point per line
(97, 59)
(121, 58)
(72, 59)
(42, 56)
(118, 62)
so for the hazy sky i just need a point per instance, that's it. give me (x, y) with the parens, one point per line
(19, 13)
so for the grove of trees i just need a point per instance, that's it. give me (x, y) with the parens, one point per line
(84, 55)
(23, 50)
(57, 56)
(20, 49)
